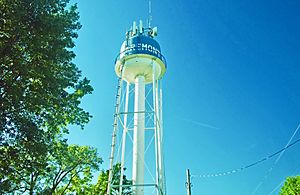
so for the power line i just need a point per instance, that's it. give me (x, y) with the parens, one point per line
(249, 165)
(274, 164)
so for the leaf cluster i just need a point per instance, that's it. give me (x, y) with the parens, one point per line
(291, 186)
(40, 85)
(101, 185)
(40, 94)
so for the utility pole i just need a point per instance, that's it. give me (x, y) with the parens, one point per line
(188, 182)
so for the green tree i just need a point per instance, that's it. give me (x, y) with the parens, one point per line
(40, 87)
(67, 168)
(40, 93)
(291, 186)
(70, 169)
(101, 186)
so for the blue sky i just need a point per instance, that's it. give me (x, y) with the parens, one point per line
(231, 90)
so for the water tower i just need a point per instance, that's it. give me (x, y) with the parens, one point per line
(138, 115)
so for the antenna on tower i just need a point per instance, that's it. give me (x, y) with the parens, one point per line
(149, 14)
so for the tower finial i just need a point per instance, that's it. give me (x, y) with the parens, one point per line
(150, 14)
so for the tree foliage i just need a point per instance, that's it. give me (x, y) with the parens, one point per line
(101, 185)
(70, 169)
(40, 93)
(66, 168)
(40, 86)
(291, 186)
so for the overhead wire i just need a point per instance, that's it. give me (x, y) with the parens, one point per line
(224, 173)
(274, 164)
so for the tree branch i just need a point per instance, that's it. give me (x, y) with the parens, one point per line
(61, 177)
(63, 192)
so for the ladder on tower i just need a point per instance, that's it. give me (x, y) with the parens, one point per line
(115, 128)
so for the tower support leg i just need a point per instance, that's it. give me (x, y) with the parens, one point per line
(124, 139)
(139, 136)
